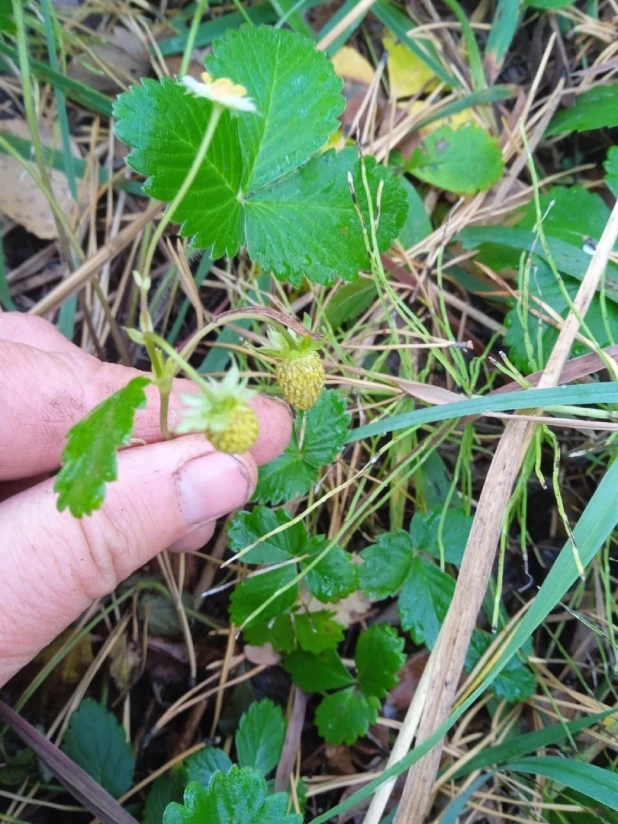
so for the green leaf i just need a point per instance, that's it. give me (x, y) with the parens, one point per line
(417, 225)
(260, 736)
(595, 782)
(463, 160)
(379, 657)
(292, 473)
(263, 184)
(89, 457)
(317, 632)
(516, 682)
(164, 126)
(542, 283)
(238, 797)
(279, 632)
(386, 565)
(247, 527)
(350, 301)
(97, 743)
(452, 526)
(344, 716)
(252, 592)
(296, 91)
(596, 108)
(334, 577)
(611, 170)
(570, 213)
(166, 789)
(424, 600)
(317, 673)
(202, 765)
(307, 223)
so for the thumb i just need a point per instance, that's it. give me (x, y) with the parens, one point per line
(52, 566)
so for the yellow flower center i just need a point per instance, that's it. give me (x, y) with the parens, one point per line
(224, 86)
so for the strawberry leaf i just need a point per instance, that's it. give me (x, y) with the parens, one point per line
(334, 577)
(202, 765)
(516, 681)
(89, 457)
(260, 736)
(251, 594)
(247, 527)
(317, 673)
(263, 183)
(424, 600)
(238, 797)
(317, 632)
(345, 715)
(380, 643)
(98, 744)
(386, 565)
(293, 472)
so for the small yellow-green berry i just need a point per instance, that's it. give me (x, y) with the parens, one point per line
(301, 379)
(240, 434)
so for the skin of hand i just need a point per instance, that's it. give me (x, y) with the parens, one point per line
(168, 494)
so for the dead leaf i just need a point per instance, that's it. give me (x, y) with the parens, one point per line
(20, 197)
(407, 73)
(350, 65)
(265, 655)
(174, 62)
(400, 697)
(74, 665)
(347, 611)
(125, 663)
(123, 53)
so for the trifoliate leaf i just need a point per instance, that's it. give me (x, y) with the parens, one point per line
(278, 631)
(344, 716)
(238, 797)
(463, 160)
(596, 108)
(89, 457)
(260, 736)
(293, 472)
(611, 170)
(424, 600)
(165, 789)
(516, 682)
(451, 528)
(254, 591)
(334, 577)
(317, 673)
(263, 183)
(317, 632)
(386, 565)
(202, 765)
(542, 283)
(247, 527)
(295, 89)
(379, 657)
(98, 744)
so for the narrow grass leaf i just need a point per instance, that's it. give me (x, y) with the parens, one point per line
(596, 782)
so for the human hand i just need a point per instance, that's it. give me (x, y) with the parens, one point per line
(168, 494)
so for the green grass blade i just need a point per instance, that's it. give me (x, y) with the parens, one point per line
(400, 24)
(474, 55)
(456, 807)
(290, 14)
(523, 744)
(346, 8)
(479, 98)
(73, 89)
(569, 259)
(511, 401)
(595, 782)
(5, 294)
(207, 32)
(595, 526)
(503, 28)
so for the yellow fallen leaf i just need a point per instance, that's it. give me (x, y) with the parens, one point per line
(351, 65)
(454, 120)
(74, 665)
(407, 73)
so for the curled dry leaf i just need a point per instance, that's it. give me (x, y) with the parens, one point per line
(20, 197)
(265, 655)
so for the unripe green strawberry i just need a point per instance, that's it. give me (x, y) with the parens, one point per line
(240, 433)
(301, 379)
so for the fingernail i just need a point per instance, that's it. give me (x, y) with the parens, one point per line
(211, 486)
